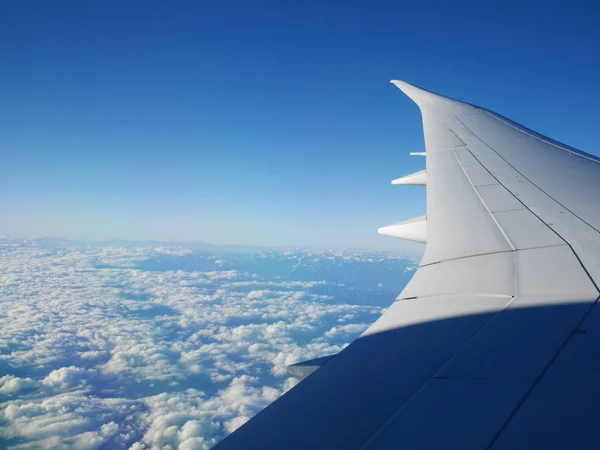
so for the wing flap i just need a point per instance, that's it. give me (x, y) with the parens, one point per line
(440, 414)
(482, 275)
(521, 341)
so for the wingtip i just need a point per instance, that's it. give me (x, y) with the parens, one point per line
(402, 85)
(426, 99)
(416, 94)
(405, 85)
(399, 83)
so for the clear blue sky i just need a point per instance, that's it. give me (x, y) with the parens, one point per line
(267, 123)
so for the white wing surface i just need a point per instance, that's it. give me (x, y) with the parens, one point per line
(495, 342)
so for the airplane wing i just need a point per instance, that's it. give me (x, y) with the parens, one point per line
(495, 342)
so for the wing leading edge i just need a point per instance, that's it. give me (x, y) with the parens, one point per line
(496, 334)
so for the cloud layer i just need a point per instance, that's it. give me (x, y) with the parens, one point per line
(149, 347)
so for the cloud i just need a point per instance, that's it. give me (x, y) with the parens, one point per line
(66, 377)
(75, 419)
(278, 284)
(351, 329)
(102, 349)
(235, 423)
(10, 384)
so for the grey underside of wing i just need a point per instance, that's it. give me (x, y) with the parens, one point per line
(494, 342)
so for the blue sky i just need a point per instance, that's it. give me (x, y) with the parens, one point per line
(269, 123)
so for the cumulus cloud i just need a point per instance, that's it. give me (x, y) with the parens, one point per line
(10, 384)
(351, 329)
(106, 347)
(74, 419)
(66, 377)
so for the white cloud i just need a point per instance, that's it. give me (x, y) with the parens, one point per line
(102, 353)
(66, 377)
(235, 423)
(278, 284)
(75, 419)
(10, 384)
(352, 329)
